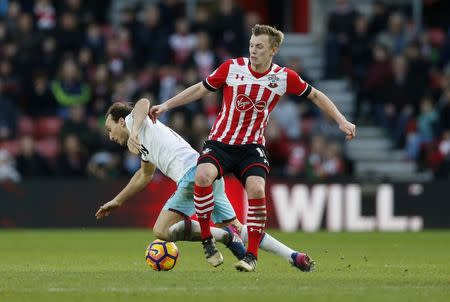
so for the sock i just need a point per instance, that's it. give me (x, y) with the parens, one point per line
(271, 245)
(204, 205)
(256, 222)
(189, 230)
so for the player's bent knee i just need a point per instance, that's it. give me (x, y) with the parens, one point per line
(255, 190)
(161, 234)
(205, 177)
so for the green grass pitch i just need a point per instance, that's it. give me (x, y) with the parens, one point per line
(109, 265)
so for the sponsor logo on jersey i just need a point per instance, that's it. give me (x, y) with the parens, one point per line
(245, 103)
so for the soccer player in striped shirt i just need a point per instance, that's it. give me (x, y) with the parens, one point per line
(251, 89)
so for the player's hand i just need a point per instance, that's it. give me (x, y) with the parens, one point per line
(349, 129)
(156, 111)
(106, 209)
(133, 144)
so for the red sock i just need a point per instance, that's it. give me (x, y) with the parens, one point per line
(256, 222)
(204, 205)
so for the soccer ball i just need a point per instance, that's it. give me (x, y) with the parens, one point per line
(161, 255)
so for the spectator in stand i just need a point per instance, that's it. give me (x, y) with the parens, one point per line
(30, 163)
(8, 171)
(202, 22)
(69, 89)
(95, 41)
(104, 166)
(296, 161)
(10, 80)
(376, 83)
(229, 24)
(72, 161)
(39, 99)
(200, 131)
(427, 123)
(182, 42)
(86, 63)
(101, 87)
(307, 108)
(397, 37)
(48, 58)
(3, 32)
(360, 47)
(45, 15)
(76, 124)
(14, 11)
(68, 34)
(315, 159)
(288, 116)
(341, 20)
(444, 112)
(8, 116)
(203, 57)
(418, 73)
(27, 42)
(379, 18)
(444, 149)
(277, 147)
(333, 164)
(151, 43)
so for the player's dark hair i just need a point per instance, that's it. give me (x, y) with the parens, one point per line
(118, 110)
(275, 36)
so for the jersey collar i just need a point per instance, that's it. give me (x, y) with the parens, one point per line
(258, 74)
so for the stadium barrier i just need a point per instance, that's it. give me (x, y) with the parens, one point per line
(291, 206)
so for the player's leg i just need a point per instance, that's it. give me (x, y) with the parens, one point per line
(222, 215)
(204, 197)
(269, 244)
(173, 225)
(209, 168)
(252, 171)
(256, 221)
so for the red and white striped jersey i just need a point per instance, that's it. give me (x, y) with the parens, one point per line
(248, 99)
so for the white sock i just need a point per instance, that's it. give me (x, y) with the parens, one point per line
(177, 232)
(271, 245)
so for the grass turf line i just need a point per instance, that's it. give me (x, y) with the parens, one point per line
(109, 265)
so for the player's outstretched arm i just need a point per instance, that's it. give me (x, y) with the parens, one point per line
(187, 96)
(139, 180)
(139, 113)
(327, 106)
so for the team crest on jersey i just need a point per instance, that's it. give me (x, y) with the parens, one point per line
(245, 103)
(273, 81)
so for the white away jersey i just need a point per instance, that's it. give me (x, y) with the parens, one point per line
(164, 148)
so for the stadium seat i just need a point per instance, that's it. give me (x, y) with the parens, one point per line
(25, 125)
(47, 126)
(48, 147)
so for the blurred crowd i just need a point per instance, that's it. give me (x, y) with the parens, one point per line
(401, 74)
(62, 63)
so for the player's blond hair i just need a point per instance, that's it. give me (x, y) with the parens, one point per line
(275, 36)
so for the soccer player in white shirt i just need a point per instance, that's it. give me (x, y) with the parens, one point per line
(160, 147)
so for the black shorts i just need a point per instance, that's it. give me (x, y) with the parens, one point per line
(241, 160)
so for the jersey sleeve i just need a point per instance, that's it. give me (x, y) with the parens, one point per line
(296, 85)
(218, 77)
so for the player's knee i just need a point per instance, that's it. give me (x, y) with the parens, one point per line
(255, 189)
(161, 233)
(204, 177)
